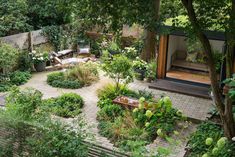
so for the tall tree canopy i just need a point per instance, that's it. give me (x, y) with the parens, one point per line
(18, 16)
(13, 17)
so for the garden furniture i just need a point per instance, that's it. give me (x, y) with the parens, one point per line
(126, 102)
(83, 48)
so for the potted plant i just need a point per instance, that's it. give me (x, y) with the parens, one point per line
(140, 67)
(151, 71)
(39, 60)
(229, 87)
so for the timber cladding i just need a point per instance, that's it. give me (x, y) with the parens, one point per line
(162, 56)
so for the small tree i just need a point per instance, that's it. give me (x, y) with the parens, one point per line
(119, 68)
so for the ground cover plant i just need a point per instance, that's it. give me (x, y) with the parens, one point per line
(209, 140)
(15, 78)
(66, 105)
(140, 126)
(35, 132)
(83, 74)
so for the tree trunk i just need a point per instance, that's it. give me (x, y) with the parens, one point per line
(149, 51)
(224, 109)
(230, 40)
(149, 46)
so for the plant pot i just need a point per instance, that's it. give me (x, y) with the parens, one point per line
(140, 74)
(149, 80)
(40, 66)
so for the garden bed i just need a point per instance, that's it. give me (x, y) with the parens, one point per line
(15, 78)
(131, 130)
(209, 140)
(83, 74)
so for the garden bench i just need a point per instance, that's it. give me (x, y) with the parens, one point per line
(65, 53)
(126, 102)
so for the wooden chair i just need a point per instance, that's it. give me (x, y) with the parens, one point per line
(83, 48)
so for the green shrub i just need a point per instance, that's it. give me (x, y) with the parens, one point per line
(5, 86)
(23, 103)
(130, 52)
(151, 70)
(109, 91)
(24, 61)
(15, 78)
(57, 79)
(55, 76)
(104, 102)
(66, 84)
(8, 58)
(159, 115)
(77, 77)
(67, 105)
(85, 73)
(57, 140)
(199, 145)
(19, 77)
(109, 112)
(123, 127)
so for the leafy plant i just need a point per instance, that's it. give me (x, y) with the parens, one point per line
(14, 17)
(151, 70)
(130, 52)
(15, 78)
(58, 140)
(85, 73)
(19, 77)
(218, 59)
(158, 118)
(67, 105)
(230, 82)
(54, 35)
(109, 112)
(57, 79)
(139, 64)
(8, 58)
(39, 57)
(77, 77)
(24, 61)
(123, 127)
(23, 103)
(205, 141)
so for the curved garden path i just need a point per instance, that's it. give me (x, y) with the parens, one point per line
(191, 106)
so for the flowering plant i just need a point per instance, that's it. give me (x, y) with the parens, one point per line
(130, 52)
(39, 57)
(139, 64)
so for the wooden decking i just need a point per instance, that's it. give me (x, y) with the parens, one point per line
(189, 76)
(182, 88)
